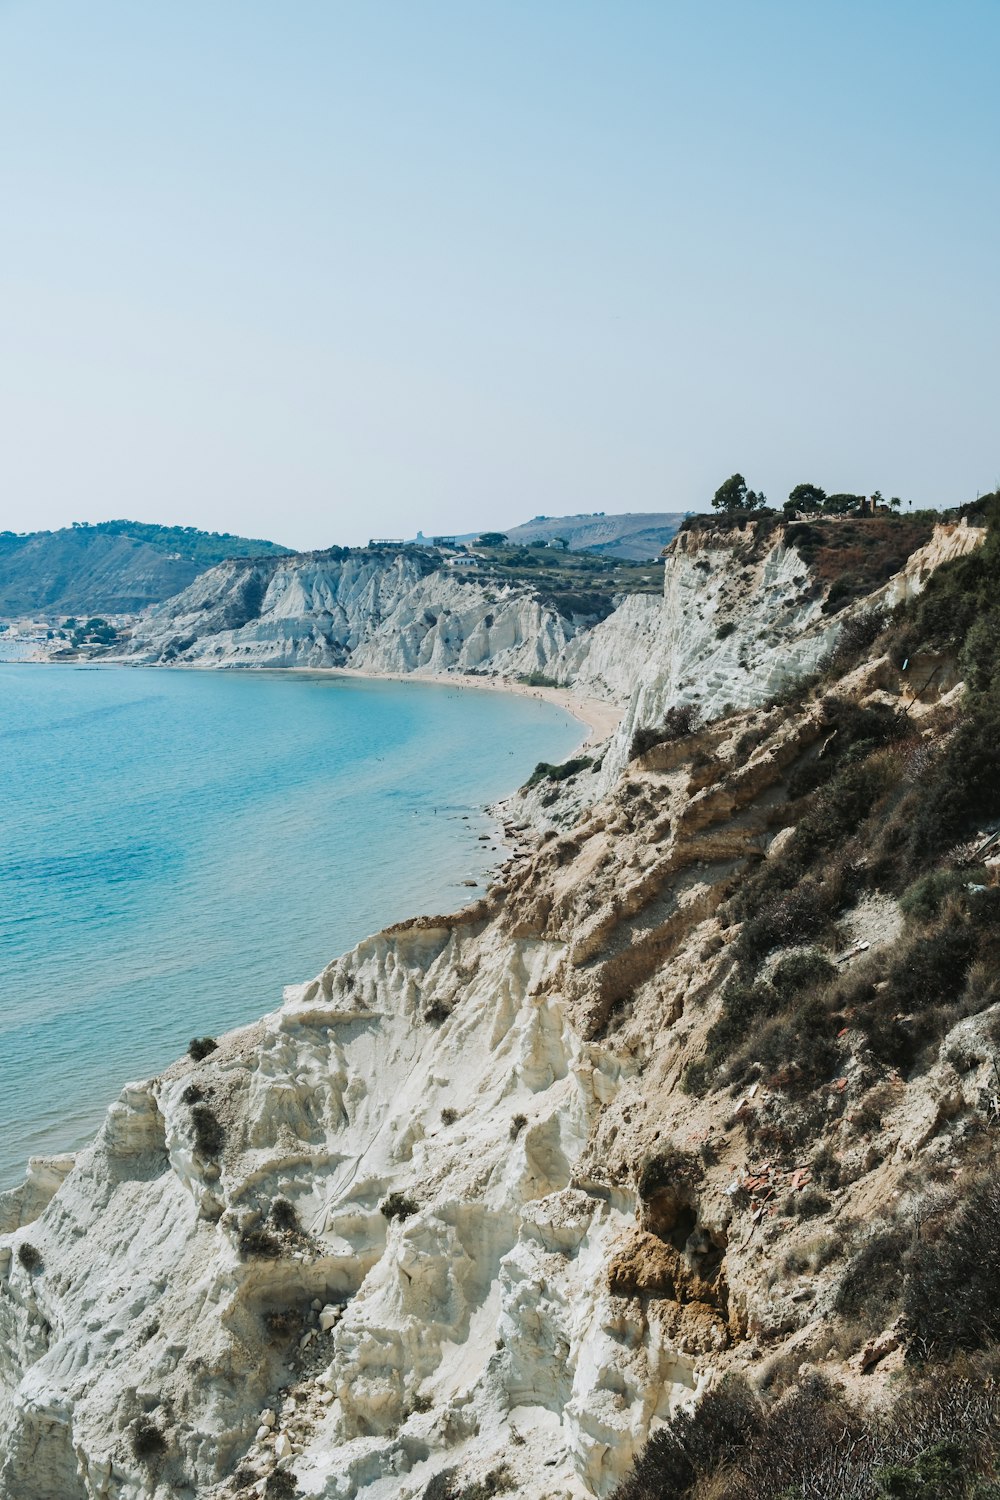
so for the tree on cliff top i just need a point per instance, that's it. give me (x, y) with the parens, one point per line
(734, 495)
(805, 497)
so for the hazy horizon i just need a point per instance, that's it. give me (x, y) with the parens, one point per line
(325, 273)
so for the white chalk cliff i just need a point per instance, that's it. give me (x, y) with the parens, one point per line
(396, 1229)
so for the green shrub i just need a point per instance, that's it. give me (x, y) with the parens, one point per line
(857, 635)
(951, 1287)
(871, 1286)
(283, 1216)
(446, 1485)
(199, 1047)
(922, 900)
(668, 1168)
(963, 790)
(397, 1205)
(546, 772)
(281, 1485)
(29, 1256)
(840, 807)
(678, 722)
(441, 1486)
(800, 972)
(693, 1443)
(148, 1441)
(259, 1244)
(209, 1136)
(794, 916)
(725, 630)
(935, 1442)
(810, 1203)
(938, 1472)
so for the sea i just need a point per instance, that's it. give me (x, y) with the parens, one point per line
(175, 846)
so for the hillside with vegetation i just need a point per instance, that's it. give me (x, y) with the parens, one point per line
(570, 582)
(631, 536)
(111, 567)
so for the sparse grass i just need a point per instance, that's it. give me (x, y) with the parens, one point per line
(517, 1124)
(447, 1486)
(449, 1115)
(814, 1256)
(282, 1323)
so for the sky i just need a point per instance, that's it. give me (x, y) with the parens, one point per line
(323, 271)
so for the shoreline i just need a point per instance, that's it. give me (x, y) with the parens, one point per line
(599, 716)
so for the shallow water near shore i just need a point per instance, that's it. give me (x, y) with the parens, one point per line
(176, 846)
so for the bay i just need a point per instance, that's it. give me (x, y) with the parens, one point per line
(176, 846)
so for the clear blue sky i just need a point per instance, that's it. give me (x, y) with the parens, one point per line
(321, 270)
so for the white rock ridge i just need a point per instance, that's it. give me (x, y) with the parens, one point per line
(379, 612)
(477, 1311)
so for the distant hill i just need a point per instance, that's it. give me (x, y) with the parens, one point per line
(634, 536)
(112, 567)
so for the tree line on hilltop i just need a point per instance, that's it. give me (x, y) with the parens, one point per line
(805, 499)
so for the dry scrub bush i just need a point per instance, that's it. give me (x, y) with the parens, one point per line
(938, 1441)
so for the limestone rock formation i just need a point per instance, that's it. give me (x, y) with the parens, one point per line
(449, 1211)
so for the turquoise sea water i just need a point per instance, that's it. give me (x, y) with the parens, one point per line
(176, 846)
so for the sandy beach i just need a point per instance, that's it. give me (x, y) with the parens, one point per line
(599, 717)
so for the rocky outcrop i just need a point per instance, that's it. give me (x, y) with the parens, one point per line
(384, 612)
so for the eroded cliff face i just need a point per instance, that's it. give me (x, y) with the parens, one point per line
(449, 1210)
(392, 612)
